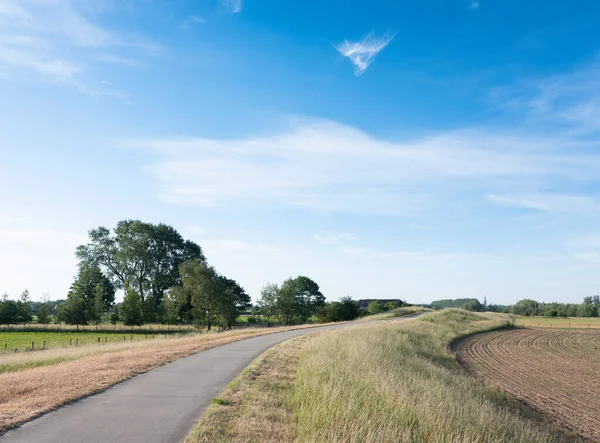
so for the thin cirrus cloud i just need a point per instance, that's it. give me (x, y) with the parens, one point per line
(331, 238)
(57, 42)
(569, 99)
(363, 52)
(549, 202)
(232, 6)
(192, 20)
(325, 166)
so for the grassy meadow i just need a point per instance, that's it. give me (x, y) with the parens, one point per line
(396, 381)
(557, 322)
(21, 341)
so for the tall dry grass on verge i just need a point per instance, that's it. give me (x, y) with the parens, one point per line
(401, 383)
(255, 406)
(386, 382)
(36, 382)
(399, 312)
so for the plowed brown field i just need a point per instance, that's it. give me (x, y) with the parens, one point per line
(556, 372)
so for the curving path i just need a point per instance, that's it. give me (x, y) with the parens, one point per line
(160, 405)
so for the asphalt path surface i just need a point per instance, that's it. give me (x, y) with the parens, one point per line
(158, 406)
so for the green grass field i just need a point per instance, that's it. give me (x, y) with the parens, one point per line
(21, 341)
(102, 327)
(556, 322)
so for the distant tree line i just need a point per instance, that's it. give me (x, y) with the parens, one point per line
(527, 307)
(377, 307)
(470, 304)
(166, 279)
(294, 302)
(13, 312)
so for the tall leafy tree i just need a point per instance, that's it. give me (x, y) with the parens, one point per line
(74, 310)
(140, 255)
(213, 297)
(310, 292)
(132, 308)
(9, 311)
(268, 301)
(23, 308)
(44, 310)
(231, 300)
(93, 283)
(347, 309)
(293, 307)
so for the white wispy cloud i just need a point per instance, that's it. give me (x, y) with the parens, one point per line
(192, 20)
(549, 202)
(570, 99)
(330, 167)
(363, 52)
(57, 40)
(334, 237)
(232, 6)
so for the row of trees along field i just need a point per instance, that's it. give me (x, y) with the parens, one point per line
(527, 307)
(298, 299)
(166, 279)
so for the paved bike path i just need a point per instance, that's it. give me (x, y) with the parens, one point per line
(158, 406)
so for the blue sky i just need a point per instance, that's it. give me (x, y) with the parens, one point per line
(420, 150)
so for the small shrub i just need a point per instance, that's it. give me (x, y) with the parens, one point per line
(220, 401)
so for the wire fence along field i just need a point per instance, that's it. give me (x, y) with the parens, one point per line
(29, 341)
(554, 371)
(151, 328)
(32, 337)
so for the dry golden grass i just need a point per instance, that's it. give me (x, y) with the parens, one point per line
(254, 407)
(41, 381)
(385, 382)
(399, 312)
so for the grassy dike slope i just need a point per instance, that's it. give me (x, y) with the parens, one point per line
(390, 382)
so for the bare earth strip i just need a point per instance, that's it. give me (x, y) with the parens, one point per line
(552, 371)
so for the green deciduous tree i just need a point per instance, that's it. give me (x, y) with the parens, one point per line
(132, 308)
(293, 307)
(375, 307)
(310, 292)
(23, 308)
(140, 255)
(74, 310)
(9, 311)
(268, 301)
(44, 311)
(525, 307)
(344, 310)
(213, 297)
(90, 296)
